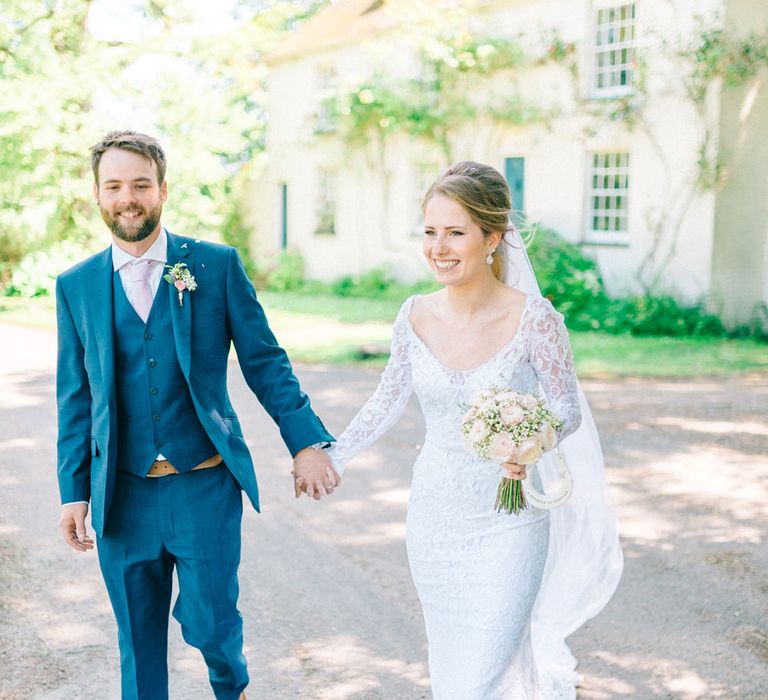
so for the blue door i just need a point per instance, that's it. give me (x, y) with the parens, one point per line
(514, 171)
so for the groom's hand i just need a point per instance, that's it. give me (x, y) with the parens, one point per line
(72, 526)
(313, 474)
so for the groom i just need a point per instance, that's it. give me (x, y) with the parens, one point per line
(147, 433)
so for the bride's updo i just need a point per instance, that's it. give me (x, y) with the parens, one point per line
(484, 194)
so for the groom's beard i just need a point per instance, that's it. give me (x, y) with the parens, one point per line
(132, 233)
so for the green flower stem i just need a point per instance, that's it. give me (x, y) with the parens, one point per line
(510, 496)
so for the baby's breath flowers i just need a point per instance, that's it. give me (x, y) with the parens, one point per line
(503, 425)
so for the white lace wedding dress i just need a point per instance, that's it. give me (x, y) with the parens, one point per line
(477, 572)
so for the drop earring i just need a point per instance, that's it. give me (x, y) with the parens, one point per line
(489, 259)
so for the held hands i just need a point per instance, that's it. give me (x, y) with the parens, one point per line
(72, 526)
(313, 474)
(514, 471)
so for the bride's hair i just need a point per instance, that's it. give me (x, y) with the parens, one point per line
(484, 194)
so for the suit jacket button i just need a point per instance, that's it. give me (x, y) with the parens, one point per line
(159, 443)
(153, 390)
(155, 418)
(147, 336)
(152, 362)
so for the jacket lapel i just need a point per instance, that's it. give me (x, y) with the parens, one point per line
(181, 314)
(102, 310)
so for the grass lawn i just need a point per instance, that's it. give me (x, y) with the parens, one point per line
(329, 329)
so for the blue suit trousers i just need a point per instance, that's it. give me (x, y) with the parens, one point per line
(190, 522)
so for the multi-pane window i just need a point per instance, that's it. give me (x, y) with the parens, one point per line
(614, 61)
(609, 193)
(326, 202)
(326, 114)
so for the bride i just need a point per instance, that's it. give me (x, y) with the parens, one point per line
(500, 592)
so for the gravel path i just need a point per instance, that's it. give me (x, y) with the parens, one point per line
(329, 607)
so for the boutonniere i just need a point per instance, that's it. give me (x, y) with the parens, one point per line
(180, 277)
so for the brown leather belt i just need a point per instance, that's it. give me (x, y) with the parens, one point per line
(162, 467)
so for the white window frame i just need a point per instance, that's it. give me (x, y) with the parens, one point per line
(616, 183)
(325, 209)
(606, 49)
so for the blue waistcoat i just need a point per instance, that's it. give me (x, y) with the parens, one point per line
(155, 412)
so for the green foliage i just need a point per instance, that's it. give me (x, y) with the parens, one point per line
(718, 54)
(437, 102)
(234, 232)
(373, 283)
(201, 93)
(565, 274)
(571, 281)
(36, 274)
(287, 274)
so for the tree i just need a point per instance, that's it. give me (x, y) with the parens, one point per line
(200, 92)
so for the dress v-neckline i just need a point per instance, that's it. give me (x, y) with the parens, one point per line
(503, 349)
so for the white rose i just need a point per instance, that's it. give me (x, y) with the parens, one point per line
(529, 402)
(502, 447)
(507, 396)
(528, 451)
(547, 436)
(512, 415)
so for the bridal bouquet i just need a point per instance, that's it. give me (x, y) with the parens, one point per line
(504, 426)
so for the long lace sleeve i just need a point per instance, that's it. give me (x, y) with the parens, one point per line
(388, 402)
(552, 360)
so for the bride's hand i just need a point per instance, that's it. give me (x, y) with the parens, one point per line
(514, 471)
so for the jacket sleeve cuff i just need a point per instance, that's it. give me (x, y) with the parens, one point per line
(301, 429)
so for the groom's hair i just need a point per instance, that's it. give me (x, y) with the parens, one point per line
(132, 141)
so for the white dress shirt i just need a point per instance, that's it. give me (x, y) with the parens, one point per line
(122, 261)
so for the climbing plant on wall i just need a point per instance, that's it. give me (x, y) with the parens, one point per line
(442, 98)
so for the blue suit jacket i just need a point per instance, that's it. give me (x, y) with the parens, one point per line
(223, 309)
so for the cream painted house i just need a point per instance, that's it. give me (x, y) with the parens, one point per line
(613, 166)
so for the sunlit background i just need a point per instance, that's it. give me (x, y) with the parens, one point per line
(634, 138)
(632, 135)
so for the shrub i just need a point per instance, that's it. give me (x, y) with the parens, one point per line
(288, 274)
(566, 276)
(372, 283)
(571, 281)
(12, 250)
(36, 274)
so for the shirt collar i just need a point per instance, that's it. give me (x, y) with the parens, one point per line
(157, 252)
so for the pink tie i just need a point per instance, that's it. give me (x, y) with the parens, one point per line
(141, 293)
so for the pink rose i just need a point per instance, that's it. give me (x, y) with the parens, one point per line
(478, 431)
(528, 451)
(547, 436)
(180, 285)
(502, 446)
(471, 414)
(512, 415)
(529, 402)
